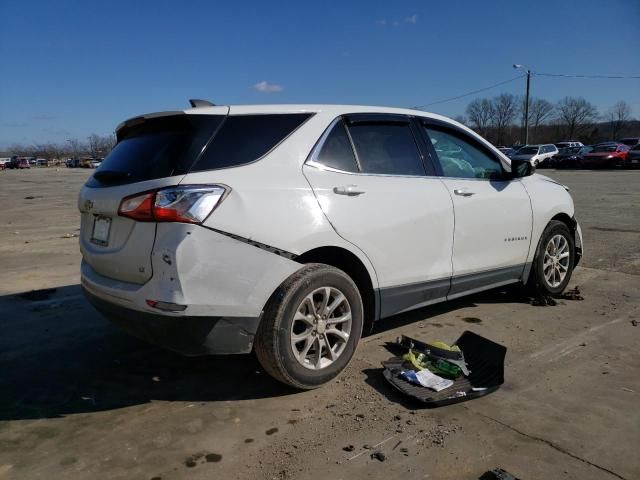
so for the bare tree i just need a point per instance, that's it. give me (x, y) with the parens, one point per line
(618, 117)
(460, 119)
(504, 108)
(576, 114)
(540, 110)
(100, 145)
(480, 113)
(75, 148)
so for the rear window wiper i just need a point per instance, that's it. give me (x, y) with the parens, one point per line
(110, 175)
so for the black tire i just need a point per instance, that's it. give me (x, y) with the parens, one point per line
(537, 283)
(273, 339)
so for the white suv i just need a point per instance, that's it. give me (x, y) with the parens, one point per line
(535, 154)
(289, 229)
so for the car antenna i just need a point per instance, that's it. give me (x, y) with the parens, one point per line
(195, 103)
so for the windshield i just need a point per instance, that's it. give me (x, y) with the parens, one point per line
(584, 150)
(528, 151)
(629, 141)
(569, 150)
(605, 148)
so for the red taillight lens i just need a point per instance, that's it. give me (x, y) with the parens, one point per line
(186, 204)
(138, 207)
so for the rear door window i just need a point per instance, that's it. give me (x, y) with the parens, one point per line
(386, 147)
(336, 151)
(155, 148)
(243, 139)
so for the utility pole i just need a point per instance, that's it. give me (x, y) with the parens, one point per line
(526, 103)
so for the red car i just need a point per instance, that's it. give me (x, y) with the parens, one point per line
(608, 155)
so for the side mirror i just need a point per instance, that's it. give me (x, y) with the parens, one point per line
(521, 168)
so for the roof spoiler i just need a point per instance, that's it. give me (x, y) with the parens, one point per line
(195, 103)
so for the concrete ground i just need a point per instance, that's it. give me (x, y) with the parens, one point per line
(80, 399)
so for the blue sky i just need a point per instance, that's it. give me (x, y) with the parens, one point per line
(71, 68)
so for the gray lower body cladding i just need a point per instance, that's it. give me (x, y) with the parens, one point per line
(403, 298)
(188, 335)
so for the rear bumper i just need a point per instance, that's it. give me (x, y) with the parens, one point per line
(222, 283)
(187, 335)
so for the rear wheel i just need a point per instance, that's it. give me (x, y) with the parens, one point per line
(310, 327)
(554, 260)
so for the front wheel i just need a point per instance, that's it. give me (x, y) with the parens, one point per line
(554, 260)
(310, 327)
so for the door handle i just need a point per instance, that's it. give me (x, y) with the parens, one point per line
(463, 192)
(349, 190)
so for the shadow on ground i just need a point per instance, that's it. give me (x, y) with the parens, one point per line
(58, 356)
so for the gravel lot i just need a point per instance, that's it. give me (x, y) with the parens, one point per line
(79, 399)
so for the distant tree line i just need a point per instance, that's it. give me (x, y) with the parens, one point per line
(96, 146)
(501, 120)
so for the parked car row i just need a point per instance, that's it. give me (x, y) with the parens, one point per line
(625, 153)
(83, 162)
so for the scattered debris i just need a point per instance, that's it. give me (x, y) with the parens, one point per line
(634, 323)
(471, 320)
(497, 474)
(69, 235)
(378, 455)
(213, 457)
(543, 301)
(628, 390)
(271, 431)
(573, 294)
(349, 448)
(479, 369)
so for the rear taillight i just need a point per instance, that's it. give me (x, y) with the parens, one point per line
(186, 204)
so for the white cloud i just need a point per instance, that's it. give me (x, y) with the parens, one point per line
(381, 22)
(395, 23)
(412, 19)
(266, 87)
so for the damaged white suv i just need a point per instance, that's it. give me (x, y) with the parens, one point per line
(288, 229)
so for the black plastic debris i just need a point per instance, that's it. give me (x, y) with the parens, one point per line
(484, 358)
(497, 474)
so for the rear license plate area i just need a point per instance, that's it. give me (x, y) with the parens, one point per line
(101, 229)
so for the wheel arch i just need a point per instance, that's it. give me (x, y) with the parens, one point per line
(353, 266)
(572, 224)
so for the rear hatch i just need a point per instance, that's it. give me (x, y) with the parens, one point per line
(153, 151)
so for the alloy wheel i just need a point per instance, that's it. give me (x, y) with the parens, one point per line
(321, 327)
(555, 265)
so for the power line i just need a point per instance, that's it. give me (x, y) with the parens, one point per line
(584, 76)
(470, 93)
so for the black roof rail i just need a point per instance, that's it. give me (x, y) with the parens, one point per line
(195, 103)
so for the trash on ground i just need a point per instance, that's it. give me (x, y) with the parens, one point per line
(573, 294)
(379, 456)
(498, 474)
(543, 301)
(69, 235)
(438, 374)
(426, 379)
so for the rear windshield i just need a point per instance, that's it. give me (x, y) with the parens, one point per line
(155, 148)
(173, 145)
(629, 141)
